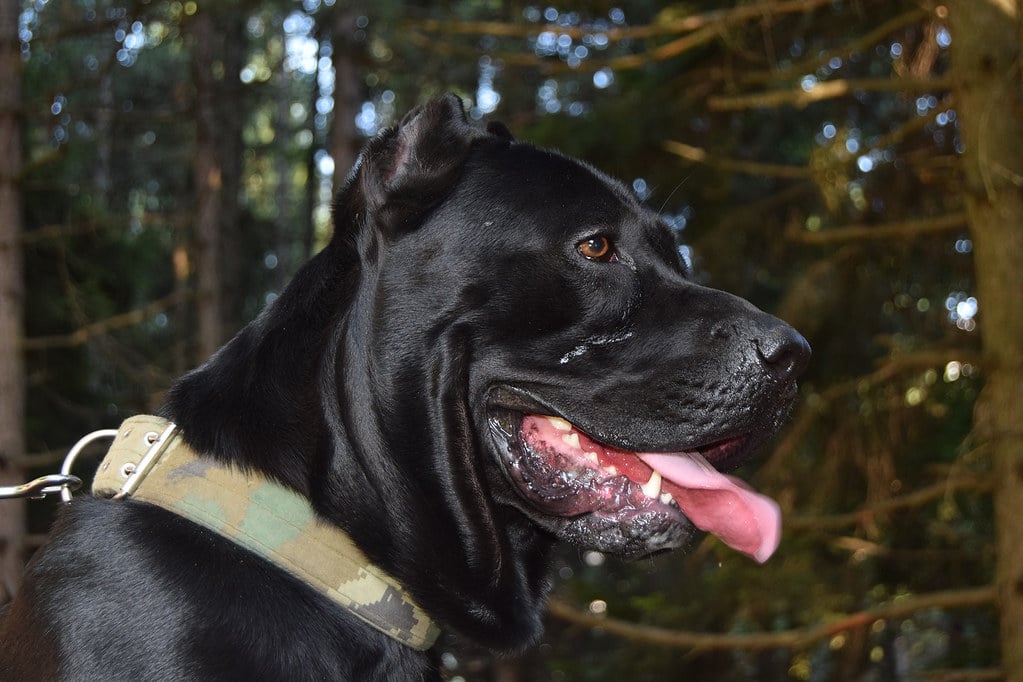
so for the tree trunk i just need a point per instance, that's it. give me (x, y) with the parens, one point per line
(344, 137)
(229, 103)
(208, 188)
(283, 231)
(985, 63)
(218, 53)
(12, 290)
(312, 185)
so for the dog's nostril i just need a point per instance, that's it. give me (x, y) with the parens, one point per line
(783, 350)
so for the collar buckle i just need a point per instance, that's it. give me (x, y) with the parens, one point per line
(136, 473)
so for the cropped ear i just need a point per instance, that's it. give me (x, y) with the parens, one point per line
(409, 169)
(500, 130)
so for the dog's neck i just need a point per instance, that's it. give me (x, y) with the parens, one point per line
(291, 397)
(149, 461)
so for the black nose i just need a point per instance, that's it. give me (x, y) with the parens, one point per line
(783, 350)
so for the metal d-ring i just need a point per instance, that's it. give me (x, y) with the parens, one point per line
(76, 449)
(64, 482)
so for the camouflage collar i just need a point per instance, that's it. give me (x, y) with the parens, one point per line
(149, 461)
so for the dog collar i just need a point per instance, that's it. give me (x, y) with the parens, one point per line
(149, 461)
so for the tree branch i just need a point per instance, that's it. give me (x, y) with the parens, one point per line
(699, 29)
(823, 90)
(58, 231)
(661, 52)
(892, 367)
(916, 498)
(864, 42)
(698, 155)
(797, 639)
(906, 228)
(686, 24)
(911, 126)
(99, 327)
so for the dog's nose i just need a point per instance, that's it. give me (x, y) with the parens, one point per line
(783, 350)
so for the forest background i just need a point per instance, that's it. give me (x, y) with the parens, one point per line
(853, 166)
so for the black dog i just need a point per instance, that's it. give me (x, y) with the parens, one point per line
(481, 362)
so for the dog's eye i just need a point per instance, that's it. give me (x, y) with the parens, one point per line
(598, 248)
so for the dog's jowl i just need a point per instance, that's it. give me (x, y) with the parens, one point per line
(499, 349)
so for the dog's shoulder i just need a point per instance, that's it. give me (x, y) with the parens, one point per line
(126, 590)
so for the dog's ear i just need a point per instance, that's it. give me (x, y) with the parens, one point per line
(410, 168)
(500, 130)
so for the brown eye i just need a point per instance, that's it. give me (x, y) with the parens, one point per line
(597, 248)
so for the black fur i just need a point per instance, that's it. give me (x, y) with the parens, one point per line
(451, 296)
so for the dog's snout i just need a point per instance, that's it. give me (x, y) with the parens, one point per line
(783, 350)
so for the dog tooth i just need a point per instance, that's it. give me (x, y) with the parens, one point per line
(666, 498)
(559, 423)
(612, 471)
(592, 458)
(652, 488)
(571, 439)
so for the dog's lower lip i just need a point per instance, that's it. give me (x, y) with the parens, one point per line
(562, 472)
(589, 483)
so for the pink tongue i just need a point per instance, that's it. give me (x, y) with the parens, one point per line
(721, 505)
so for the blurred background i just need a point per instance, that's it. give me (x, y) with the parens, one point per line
(853, 166)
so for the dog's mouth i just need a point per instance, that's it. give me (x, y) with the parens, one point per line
(633, 503)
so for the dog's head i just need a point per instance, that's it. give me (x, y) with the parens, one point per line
(550, 320)
(499, 347)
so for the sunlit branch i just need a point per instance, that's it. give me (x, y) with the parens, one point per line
(686, 24)
(698, 155)
(702, 29)
(662, 52)
(824, 90)
(430, 44)
(553, 65)
(865, 42)
(784, 639)
(104, 326)
(907, 228)
(917, 498)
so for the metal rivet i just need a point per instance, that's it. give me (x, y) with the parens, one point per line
(128, 469)
(151, 437)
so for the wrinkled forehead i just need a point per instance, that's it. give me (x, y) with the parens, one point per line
(547, 186)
